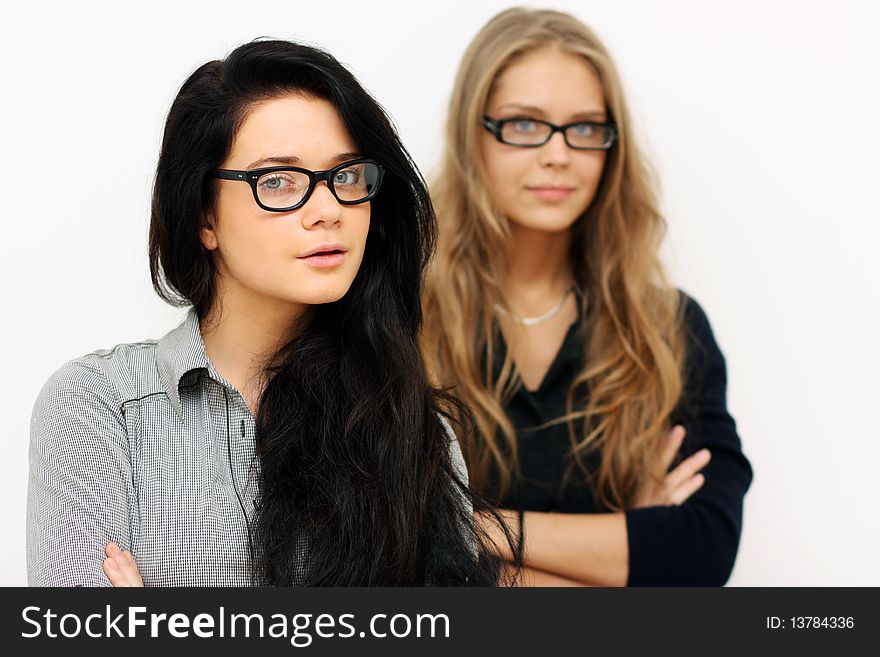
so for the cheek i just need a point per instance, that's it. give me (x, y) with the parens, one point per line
(505, 174)
(251, 241)
(590, 170)
(238, 222)
(236, 200)
(253, 250)
(360, 222)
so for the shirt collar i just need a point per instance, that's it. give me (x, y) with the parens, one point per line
(178, 352)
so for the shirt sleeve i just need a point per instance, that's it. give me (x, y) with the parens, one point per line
(80, 481)
(455, 454)
(460, 467)
(695, 544)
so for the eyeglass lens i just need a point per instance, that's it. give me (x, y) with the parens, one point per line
(284, 189)
(580, 135)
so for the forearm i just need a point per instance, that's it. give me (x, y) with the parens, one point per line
(79, 482)
(64, 545)
(589, 548)
(534, 577)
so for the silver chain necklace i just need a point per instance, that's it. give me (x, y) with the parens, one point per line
(540, 319)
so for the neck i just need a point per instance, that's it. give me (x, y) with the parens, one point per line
(539, 269)
(242, 333)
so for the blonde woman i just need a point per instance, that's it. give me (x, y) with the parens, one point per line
(597, 389)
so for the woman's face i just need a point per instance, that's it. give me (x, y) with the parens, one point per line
(264, 256)
(545, 188)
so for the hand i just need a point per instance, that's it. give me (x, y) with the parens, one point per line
(120, 568)
(679, 484)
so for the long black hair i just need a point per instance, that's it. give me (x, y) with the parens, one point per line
(358, 485)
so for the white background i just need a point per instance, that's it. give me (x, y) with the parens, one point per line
(760, 117)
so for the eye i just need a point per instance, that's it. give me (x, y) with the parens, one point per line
(277, 182)
(524, 126)
(583, 129)
(347, 177)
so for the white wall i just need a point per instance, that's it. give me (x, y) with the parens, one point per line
(761, 118)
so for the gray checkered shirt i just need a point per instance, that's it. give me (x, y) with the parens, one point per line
(148, 446)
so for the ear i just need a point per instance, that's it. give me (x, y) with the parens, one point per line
(207, 234)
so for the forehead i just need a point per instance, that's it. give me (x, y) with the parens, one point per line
(549, 78)
(306, 127)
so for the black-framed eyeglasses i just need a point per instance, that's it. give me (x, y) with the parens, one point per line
(286, 188)
(532, 133)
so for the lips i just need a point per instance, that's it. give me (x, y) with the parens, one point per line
(324, 249)
(324, 255)
(551, 192)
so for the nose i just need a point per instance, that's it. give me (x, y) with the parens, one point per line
(322, 209)
(555, 152)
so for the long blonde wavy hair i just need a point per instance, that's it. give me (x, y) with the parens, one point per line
(634, 357)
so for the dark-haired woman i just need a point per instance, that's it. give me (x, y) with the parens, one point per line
(285, 432)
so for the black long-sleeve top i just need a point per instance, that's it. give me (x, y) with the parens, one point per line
(694, 544)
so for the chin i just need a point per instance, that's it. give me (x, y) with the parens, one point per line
(547, 223)
(323, 294)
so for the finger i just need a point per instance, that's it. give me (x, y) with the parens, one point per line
(673, 443)
(131, 569)
(113, 566)
(688, 488)
(114, 573)
(121, 565)
(687, 469)
(644, 496)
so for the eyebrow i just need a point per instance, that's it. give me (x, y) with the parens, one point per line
(293, 160)
(587, 115)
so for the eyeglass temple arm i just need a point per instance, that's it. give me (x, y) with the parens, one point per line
(491, 124)
(229, 174)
